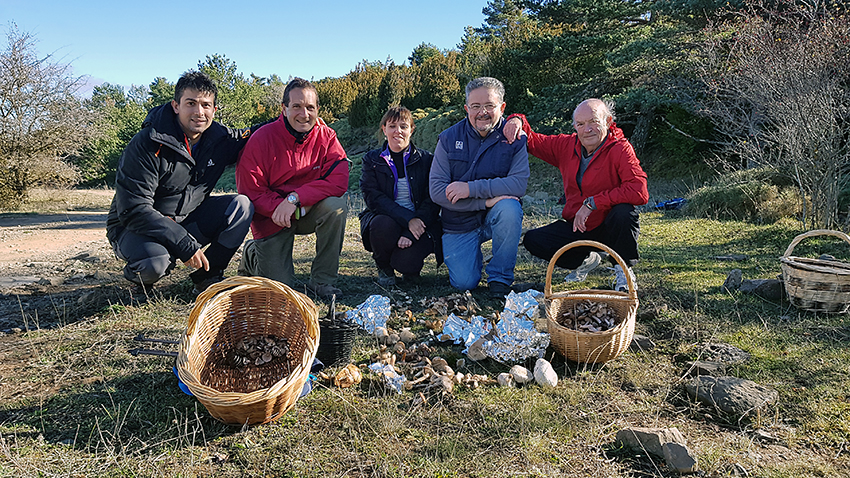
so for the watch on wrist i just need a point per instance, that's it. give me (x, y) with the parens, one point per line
(589, 203)
(292, 198)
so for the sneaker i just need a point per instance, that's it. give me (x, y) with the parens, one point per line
(386, 278)
(590, 263)
(621, 284)
(498, 290)
(325, 291)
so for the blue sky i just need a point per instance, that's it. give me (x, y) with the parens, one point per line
(129, 43)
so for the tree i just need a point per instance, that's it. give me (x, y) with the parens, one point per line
(42, 121)
(774, 82)
(422, 53)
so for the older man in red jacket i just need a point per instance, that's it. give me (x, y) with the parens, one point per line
(603, 182)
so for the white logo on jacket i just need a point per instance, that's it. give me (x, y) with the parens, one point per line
(210, 163)
(458, 144)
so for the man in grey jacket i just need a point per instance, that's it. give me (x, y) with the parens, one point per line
(162, 210)
(478, 178)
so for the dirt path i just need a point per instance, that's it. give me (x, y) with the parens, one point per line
(35, 237)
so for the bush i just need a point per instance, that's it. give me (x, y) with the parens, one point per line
(762, 195)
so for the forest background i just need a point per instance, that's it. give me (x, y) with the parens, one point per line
(748, 98)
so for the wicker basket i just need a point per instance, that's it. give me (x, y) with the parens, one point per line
(233, 309)
(591, 347)
(817, 285)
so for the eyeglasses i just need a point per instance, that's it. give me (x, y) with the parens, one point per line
(489, 107)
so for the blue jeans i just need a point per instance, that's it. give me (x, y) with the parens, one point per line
(462, 252)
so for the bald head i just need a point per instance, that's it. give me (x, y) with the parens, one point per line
(591, 119)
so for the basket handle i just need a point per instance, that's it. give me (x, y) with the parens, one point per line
(548, 290)
(816, 232)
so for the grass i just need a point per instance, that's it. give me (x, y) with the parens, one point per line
(74, 403)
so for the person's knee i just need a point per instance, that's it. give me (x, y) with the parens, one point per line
(241, 209)
(465, 282)
(149, 270)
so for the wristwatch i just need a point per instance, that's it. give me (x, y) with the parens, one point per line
(589, 203)
(292, 198)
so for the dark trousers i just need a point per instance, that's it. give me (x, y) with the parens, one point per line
(384, 233)
(220, 221)
(619, 231)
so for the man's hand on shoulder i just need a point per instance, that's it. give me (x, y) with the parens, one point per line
(457, 190)
(282, 215)
(513, 130)
(198, 261)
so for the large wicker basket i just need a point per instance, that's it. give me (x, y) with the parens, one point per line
(590, 347)
(817, 285)
(229, 311)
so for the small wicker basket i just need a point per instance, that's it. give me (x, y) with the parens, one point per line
(229, 311)
(591, 347)
(817, 285)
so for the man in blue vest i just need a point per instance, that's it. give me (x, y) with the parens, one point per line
(478, 178)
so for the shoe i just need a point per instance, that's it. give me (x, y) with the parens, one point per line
(590, 263)
(498, 290)
(620, 282)
(325, 291)
(386, 278)
(412, 279)
(206, 283)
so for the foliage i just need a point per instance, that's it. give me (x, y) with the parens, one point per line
(762, 194)
(774, 83)
(42, 121)
(422, 52)
(431, 122)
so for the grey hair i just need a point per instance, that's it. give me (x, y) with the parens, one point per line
(607, 109)
(486, 82)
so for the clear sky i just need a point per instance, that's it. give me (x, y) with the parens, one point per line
(131, 43)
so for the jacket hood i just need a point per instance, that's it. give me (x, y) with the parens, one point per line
(164, 128)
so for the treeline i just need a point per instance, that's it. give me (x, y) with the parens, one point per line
(700, 86)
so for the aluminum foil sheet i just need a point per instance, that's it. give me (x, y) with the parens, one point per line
(515, 338)
(372, 313)
(392, 379)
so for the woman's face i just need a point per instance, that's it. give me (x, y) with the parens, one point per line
(398, 134)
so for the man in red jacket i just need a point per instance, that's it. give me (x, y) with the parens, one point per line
(603, 182)
(296, 174)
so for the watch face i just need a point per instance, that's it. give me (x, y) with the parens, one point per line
(291, 198)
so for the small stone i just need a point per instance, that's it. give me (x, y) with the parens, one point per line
(649, 439)
(733, 280)
(641, 343)
(505, 380)
(826, 257)
(102, 275)
(702, 367)
(544, 374)
(54, 281)
(770, 289)
(521, 374)
(679, 458)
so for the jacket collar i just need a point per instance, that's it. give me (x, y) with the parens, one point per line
(162, 121)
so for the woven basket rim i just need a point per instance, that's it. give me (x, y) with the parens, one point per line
(817, 265)
(631, 295)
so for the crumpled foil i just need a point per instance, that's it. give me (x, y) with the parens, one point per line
(391, 378)
(515, 338)
(372, 313)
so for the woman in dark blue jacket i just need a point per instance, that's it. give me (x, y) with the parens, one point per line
(400, 225)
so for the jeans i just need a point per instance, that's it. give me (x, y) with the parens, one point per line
(462, 252)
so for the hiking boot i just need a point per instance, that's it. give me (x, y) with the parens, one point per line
(498, 290)
(205, 283)
(386, 278)
(590, 263)
(621, 284)
(325, 291)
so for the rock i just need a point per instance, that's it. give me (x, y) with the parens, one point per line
(101, 275)
(725, 354)
(770, 289)
(54, 281)
(641, 343)
(706, 368)
(732, 395)
(732, 257)
(521, 374)
(505, 380)
(649, 439)
(733, 280)
(679, 458)
(826, 257)
(544, 374)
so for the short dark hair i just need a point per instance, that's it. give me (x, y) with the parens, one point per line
(298, 83)
(197, 81)
(397, 113)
